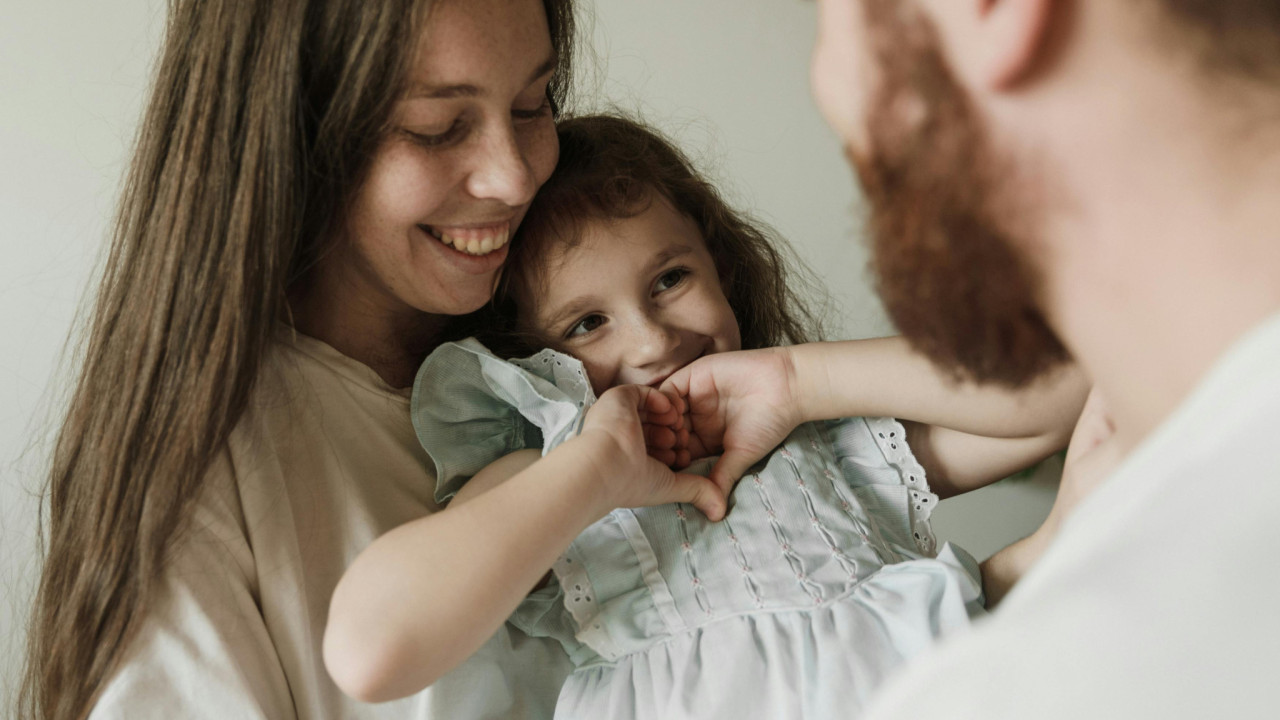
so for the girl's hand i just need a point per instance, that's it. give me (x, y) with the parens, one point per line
(740, 405)
(618, 423)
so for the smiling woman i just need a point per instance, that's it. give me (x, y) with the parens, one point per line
(470, 143)
(278, 268)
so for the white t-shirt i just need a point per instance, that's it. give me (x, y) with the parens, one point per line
(324, 460)
(1161, 596)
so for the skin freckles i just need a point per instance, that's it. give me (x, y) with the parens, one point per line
(635, 300)
(470, 141)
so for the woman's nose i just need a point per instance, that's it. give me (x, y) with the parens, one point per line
(500, 170)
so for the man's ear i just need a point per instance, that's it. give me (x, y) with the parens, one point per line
(993, 44)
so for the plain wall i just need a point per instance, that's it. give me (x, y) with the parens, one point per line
(727, 78)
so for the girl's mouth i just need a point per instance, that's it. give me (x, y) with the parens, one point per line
(474, 241)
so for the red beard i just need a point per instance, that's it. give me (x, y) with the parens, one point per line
(953, 278)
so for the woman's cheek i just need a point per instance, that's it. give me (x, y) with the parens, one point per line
(543, 149)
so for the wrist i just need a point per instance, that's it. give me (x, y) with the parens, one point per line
(810, 382)
(586, 460)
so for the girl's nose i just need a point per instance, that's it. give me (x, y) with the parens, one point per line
(655, 342)
(500, 170)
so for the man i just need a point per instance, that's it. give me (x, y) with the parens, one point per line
(1087, 179)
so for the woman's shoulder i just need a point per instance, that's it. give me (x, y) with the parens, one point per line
(294, 358)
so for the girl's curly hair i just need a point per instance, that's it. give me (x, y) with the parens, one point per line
(609, 169)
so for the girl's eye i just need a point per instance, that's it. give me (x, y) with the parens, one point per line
(456, 132)
(670, 279)
(585, 325)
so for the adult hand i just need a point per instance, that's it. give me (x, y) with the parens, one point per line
(624, 421)
(740, 405)
(1094, 453)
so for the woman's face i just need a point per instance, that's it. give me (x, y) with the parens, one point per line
(472, 139)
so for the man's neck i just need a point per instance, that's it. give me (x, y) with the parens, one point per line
(1168, 252)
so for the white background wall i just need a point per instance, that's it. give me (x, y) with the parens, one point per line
(727, 78)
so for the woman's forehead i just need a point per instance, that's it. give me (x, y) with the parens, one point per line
(472, 46)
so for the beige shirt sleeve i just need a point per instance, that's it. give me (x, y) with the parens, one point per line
(324, 460)
(203, 650)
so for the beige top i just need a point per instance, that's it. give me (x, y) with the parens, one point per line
(1158, 598)
(324, 460)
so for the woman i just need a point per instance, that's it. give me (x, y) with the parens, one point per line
(318, 186)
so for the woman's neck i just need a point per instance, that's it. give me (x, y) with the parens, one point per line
(392, 342)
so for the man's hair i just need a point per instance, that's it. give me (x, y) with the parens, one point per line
(1240, 37)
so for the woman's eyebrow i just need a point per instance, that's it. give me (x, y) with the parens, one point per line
(425, 90)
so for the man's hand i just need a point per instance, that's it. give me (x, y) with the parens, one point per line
(1094, 453)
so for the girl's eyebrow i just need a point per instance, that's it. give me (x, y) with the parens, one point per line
(573, 309)
(425, 90)
(672, 252)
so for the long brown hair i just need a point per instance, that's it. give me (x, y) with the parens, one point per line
(260, 126)
(610, 168)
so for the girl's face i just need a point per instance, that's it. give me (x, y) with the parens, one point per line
(635, 300)
(471, 141)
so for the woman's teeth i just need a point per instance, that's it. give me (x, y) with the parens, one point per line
(471, 241)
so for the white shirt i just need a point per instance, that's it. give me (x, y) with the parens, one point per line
(324, 460)
(1161, 596)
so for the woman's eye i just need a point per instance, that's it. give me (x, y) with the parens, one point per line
(456, 132)
(585, 325)
(670, 279)
(534, 113)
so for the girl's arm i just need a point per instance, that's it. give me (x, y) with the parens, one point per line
(426, 595)
(965, 435)
(741, 405)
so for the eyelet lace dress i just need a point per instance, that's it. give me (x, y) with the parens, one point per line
(821, 580)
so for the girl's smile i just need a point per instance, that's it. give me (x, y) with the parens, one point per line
(635, 300)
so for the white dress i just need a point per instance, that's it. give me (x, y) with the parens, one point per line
(818, 584)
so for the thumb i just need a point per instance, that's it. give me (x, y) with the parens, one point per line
(701, 493)
(730, 468)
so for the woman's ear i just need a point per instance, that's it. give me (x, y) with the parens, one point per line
(994, 44)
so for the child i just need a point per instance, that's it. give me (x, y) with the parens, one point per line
(822, 577)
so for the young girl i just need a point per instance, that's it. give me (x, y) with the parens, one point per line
(821, 575)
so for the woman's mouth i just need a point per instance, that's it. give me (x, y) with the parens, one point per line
(475, 241)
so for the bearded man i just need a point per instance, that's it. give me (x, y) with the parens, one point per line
(1087, 180)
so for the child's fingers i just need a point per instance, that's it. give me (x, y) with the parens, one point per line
(659, 437)
(701, 493)
(657, 408)
(730, 468)
(682, 438)
(678, 401)
(666, 457)
(682, 458)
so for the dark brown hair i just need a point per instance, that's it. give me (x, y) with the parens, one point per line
(1240, 37)
(262, 119)
(610, 168)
